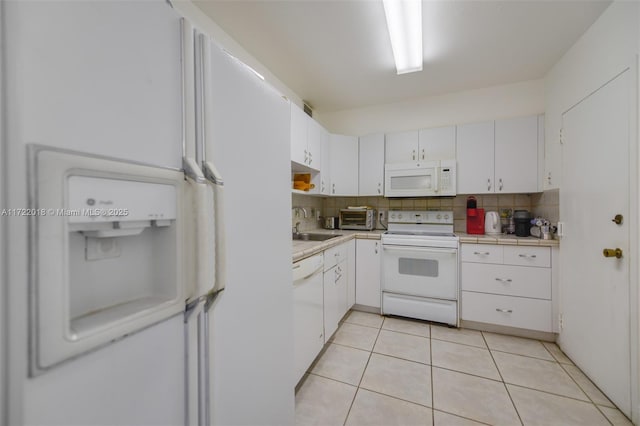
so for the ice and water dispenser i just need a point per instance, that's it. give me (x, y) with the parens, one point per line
(106, 252)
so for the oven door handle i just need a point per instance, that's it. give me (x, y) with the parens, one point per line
(420, 249)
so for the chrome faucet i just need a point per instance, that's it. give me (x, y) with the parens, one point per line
(304, 211)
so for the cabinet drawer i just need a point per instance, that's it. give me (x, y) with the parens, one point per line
(527, 256)
(509, 311)
(481, 253)
(335, 255)
(507, 280)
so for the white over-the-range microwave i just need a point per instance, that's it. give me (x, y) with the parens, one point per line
(420, 179)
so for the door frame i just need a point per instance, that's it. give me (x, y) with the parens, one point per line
(634, 229)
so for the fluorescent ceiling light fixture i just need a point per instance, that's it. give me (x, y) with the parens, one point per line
(404, 22)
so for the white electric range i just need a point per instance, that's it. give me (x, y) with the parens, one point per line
(420, 266)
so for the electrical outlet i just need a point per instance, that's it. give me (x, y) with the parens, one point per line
(383, 216)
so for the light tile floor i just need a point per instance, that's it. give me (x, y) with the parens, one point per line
(390, 371)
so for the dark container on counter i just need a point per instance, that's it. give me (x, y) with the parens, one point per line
(522, 219)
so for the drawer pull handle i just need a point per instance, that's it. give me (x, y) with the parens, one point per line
(529, 256)
(504, 280)
(482, 253)
(506, 311)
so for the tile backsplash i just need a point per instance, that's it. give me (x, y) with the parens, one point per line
(311, 205)
(547, 204)
(544, 204)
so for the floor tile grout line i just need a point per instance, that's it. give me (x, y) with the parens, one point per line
(526, 356)
(458, 415)
(550, 393)
(502, 378)
(362, 375)
(582, 389)
(407, 333)
(395, 397)
(433, 403)
(604, 415)
(467, 374)
(459, 343)
(400, 358)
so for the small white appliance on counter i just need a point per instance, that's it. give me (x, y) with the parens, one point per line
(420, 266)
(492, 225)
(358, 218)
(421, 179)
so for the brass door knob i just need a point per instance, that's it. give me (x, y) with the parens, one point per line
(617, 219)
(617, 253)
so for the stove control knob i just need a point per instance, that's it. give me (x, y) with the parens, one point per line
(439, 216)
(393, 216)
(446, 216)
(399, 216)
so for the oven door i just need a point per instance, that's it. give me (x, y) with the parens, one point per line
(420, 271)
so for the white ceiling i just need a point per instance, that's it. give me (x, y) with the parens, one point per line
(336, 54)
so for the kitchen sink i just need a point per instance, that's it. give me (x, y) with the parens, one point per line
(307, 236)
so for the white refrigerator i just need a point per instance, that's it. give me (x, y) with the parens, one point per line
(115, 314)
(243, 125)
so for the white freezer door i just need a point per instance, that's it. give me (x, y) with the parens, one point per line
(420, 271)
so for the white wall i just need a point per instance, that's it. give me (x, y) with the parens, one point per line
(510, 100)
(205, 24)
(607, 48)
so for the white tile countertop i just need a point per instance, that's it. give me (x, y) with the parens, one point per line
(303, 249)
(505, 239)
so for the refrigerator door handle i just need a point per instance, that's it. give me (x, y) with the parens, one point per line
(213, 177)
(203, 233)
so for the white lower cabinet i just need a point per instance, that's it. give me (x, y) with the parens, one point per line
(351, 274)
(368, 257)
(308, 328)
(507, 285)
(335, 288)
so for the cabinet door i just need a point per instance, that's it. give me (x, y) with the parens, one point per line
(351, 274)
(516, 155)
(368, 256)
(314, 143)
(299, 136)
(335, 298)
(437, 144)
(325, 168)
(308, 329)
(552, 151)
(371, 165)
(401, 147)
(343, 157)
(475, 156)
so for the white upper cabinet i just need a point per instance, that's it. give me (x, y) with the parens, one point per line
(299, 126)
(438, 143)
(421, 145)
(401, 147)
(305, 140)
(343, 157)
(475, 158)
(499, 157)
(325, 169)
(315, 137)
(552, 150)
(371, 165)
(516, 155)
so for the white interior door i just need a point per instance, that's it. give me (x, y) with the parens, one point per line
(595, 188)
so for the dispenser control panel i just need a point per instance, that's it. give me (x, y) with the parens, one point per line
(94, 199)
